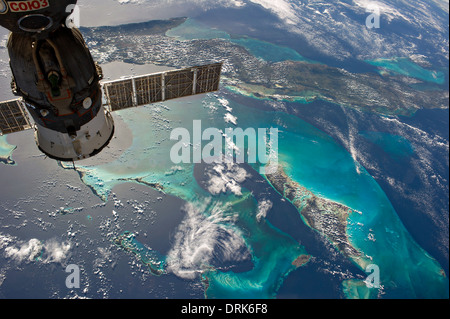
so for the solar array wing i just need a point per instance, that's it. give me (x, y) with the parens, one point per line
(208, 78)
(149, 89)
(179, 84)
(120, 94)
(13, 117)
(143, 90)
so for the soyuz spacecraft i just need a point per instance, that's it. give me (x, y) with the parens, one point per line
(61, 86)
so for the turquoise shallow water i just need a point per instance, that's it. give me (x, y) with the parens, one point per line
(311, 158)
(404, 66)
(269, 51)
(6, 150)
(273, 253)
(321, 165)
(146, 255)
(377, 231)
(192, 30)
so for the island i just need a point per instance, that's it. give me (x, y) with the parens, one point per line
(327, 217)
(293, 79)
(155, 263)
(140, 180)
(301, 260)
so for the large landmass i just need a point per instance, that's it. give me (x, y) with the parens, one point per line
(146, 43)
(325, 216)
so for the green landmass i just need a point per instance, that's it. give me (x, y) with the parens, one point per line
(155, 263)
(325, 216)
(288, 80)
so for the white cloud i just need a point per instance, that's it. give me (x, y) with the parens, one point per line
(230, 118)
(201, 238)
(263, 208)
(27, 251)
(50, 251)
(282, 8)
(224, 177)
(55, 252)
(382, 8)
(5, 240)
(204, 3)
(333, 28)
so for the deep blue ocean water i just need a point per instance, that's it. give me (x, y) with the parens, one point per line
(317, 162)
(316, 159)
(309, 168)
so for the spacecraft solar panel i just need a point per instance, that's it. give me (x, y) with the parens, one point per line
(208, 78)
(13, 117)
(179, 84)
(148, 89)
(120, 94)
(143, 90)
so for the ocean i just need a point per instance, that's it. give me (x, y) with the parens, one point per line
(228, 223)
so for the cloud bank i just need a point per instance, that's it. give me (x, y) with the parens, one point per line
(50, 251)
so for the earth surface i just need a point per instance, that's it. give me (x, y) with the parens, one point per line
(362, 176)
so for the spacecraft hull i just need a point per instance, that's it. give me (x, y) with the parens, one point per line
(54, 73)
(58, 82)
(90, 140)
(34, 16)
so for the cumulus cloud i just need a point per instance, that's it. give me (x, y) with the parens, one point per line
(55, 252)
(282, 8)
(230, 118)
(50, 251)
(202, 238)
(263, 208)
(224, 177)
(27, 251)
(5, 240)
